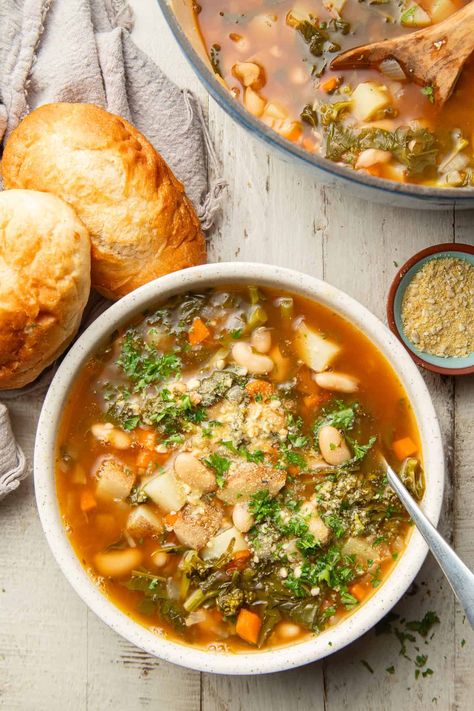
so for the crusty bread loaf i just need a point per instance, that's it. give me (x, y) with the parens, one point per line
(44, 282)
(141, 223)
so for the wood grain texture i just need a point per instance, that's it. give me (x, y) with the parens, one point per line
(55, 655)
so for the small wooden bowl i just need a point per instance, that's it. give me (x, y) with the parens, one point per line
(445, 366)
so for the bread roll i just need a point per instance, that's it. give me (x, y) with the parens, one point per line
(141, 223)
(44, 282)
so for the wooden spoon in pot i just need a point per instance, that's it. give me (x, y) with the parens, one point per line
(432, 57)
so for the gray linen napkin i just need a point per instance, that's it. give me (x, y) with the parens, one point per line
(81, 51)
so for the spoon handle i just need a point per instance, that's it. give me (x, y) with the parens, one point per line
(458, 574)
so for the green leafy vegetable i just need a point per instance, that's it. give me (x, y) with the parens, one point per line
(143, 364)
(416, 148)
(214, 56)
(411, 474)
(263, 506)
(309, 116)
(220, 465)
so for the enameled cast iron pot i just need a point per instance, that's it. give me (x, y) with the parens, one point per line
(148, 297)
(179, 16)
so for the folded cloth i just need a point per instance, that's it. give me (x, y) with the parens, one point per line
(81, 51)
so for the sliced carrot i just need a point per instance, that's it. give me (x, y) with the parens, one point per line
(309, 145)
(198, 332)
(404, 448)
(259, 387)
(358, 590)
(87, 501)
(293, 470)
(146, 457)
(330, 84)
(248, 626)
(375, 170)
(238, 561)
(147, 438)
(170, 519)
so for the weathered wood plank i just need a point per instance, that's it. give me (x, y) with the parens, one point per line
(464, 500)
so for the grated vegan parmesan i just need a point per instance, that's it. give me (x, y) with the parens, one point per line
(438, 308)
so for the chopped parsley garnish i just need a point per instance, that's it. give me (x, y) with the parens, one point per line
(428, 91)
(262, 506)
(220, 465)
(143, 364)
(424, 626)
(257, 456)
(335, 524)
(131, 423)
(340, 415)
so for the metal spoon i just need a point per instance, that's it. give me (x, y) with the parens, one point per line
(458, 574)
(431, 57)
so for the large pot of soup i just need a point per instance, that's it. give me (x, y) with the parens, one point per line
(208, 468)
(268, 65)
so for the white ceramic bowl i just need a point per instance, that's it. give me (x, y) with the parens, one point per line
(131, 306)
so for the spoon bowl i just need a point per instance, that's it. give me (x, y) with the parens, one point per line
(432, 57)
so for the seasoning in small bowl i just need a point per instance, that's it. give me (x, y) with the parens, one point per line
(431, 308)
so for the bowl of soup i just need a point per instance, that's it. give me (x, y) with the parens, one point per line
(208, 468)
(268, 64)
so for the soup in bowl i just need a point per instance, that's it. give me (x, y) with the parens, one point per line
(208, 468)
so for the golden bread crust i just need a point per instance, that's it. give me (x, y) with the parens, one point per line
(141, 223)
(44, 282)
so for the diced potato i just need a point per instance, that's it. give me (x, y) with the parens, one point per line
(315, 351)
(192, 472)
(165, 491)
(115, 480)
(336, 5)
(143, 521)
(441, 9)
(115, 564)
(244, 479)
(415, 16)
(196, 524)
(362, 548)
(369, 99)
(220, 543)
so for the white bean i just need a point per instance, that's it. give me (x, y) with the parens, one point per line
(288, 630)
(253, 102)
(249, 74)
(242, 518)
(333, 445)
(340, 382)
(255, 363)
(372, 156)
(261, 339)
(160, 558)
(116, 563)
(106, 432)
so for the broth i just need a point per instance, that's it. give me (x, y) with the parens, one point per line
(215, 491)
(274, 56)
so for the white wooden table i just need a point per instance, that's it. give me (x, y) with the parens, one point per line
(55, 655)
